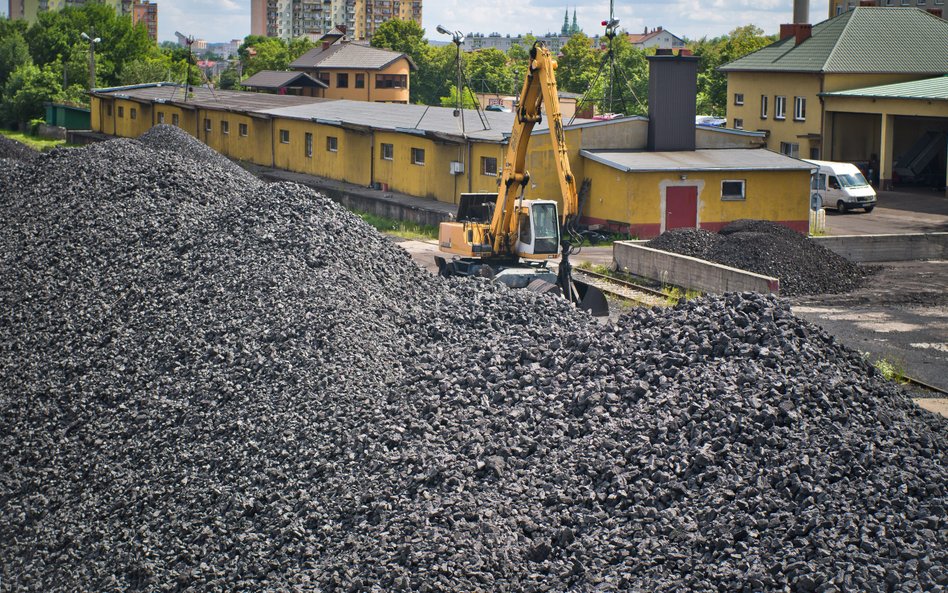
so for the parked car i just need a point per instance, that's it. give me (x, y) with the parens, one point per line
(497, 108)
(842, 186)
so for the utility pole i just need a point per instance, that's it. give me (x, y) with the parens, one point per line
(92, 41)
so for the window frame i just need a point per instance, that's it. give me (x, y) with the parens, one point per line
(738, 123)
(799, 109)
(284, 136)
(415, 152)
(332, 144)
(225, 127)
(792, 149)
(485, 170)
(391, 151)
(734, 197)
(359, 81)
(738, 98)
(308, 145)
(342, 77)
(398, 81)
(132, 113)
(764, 106)
(208, 125)
(161, 117)
(175, 120)
(780, 107)
(121, 111)
(242, 130)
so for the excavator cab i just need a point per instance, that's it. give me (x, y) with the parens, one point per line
(539, 230)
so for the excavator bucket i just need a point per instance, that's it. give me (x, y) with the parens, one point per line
(591, 299)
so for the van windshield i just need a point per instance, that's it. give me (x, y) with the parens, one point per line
(853, 180)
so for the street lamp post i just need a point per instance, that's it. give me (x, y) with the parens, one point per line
(458, 38)
(92, 41)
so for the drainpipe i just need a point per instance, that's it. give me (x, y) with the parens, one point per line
(273, 158)
(470, 167)
(372, 158)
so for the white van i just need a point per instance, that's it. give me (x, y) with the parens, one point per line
(842, 186)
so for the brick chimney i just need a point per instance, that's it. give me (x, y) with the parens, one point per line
(801, 31)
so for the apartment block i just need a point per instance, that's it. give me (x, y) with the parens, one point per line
(139, 10)
(289, 19)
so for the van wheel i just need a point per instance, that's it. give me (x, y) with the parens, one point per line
(869, 209)
(841, 207)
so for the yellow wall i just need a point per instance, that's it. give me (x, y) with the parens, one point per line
(431, 180)
(636, 199)
(255, 146)
(124, 125)
(786, 84)
(369, 92)
(349, 163)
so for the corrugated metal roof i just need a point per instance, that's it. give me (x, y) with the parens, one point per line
(347, 55)
(206, 98)
(716, 159)
(274, 79)
(863, 40)
(932, 89)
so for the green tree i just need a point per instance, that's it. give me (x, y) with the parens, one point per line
(299, 46)
(630, 81)
(269, 54)
(14, 52)
(578, 64)
(435, 65)
(25, 92)
(402, 36)
(487, 72)
(229, 79)
(467, 98)
(716, 52)
(156, 69)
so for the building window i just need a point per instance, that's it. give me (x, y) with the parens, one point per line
(133, 113)
(489, 166)
(738, 123)
(242, 129)
(780, 107)
(388, 152)
(790, 149)
(108, 109)
(815, 153)
(418, 156)
(121, 111)
(174, 119)
(763, 107)
(284, 136)
(324, 77)
(225, 127)
(738, 98)
(207, 125)
(391, 81)
(161, 117)
(799, 108)
(342, 80)
(360, 81)
(732, 189)
(332, 143)
(309, 144)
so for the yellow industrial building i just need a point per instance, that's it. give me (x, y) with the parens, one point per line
(425, 152)
(837, 91)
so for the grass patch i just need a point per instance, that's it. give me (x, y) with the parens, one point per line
(400, 228)
(34, 142)
(891, 370)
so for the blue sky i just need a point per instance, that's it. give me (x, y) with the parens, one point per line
(222, 20)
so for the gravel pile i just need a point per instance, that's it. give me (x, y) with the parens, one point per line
(803, 267)
(215, 386)
(11, 149)
(168, 138)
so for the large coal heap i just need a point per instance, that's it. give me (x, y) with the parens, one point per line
(17, 151)
(803, 266)
(211, 385)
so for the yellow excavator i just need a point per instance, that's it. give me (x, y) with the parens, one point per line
(505, 237)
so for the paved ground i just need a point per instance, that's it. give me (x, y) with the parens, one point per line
(907, 211)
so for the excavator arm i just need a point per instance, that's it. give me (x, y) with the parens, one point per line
(539, 88)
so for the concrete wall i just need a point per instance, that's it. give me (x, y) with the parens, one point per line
(688, 272)
(880, 248)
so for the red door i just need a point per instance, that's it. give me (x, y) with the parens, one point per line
(681, 207)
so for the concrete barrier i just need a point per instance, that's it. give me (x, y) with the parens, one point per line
(882, 248)
(688, 272)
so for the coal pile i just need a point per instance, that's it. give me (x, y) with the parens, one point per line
(168, 138)
(11, 149)
(213, 386)
(802, 266)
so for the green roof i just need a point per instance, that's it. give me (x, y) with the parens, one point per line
(927, 89)
(867, 39)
